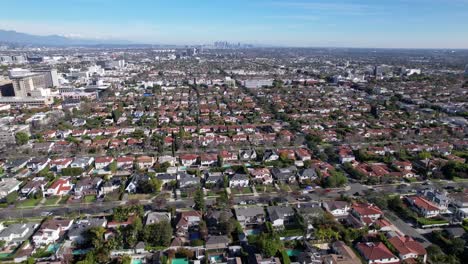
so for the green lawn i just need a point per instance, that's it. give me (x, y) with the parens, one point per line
(265, 188)
(89, 198)
(433, 221)
(52, 200)
(29, 202)
(64, 199)
(244, 190)
(211, 193)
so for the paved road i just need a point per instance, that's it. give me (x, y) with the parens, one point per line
(405, 228)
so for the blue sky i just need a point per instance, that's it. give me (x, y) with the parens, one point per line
(363, 23)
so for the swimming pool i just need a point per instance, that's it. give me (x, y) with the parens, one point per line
(179, 261)
(250, 232)
(293, 252)
(137, 261)
(53, 247)
(216, 258)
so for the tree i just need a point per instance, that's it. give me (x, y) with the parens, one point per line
(2, 243)
(269, 244)
(89, 258)
(203, 228)
(424, 155)
(156, 184)
(126, 259)
(11, 197)
(72, 171)
(113, 166)
(336, 179)
(21, 138)
(116, 114)
(96, 236)
(158, 234)
(199, 200)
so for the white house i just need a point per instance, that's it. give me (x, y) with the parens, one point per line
(17, 232)
(82, 162)
(239, 180)
(51, 231)
(60, 187)
(188, 159)
(102, 162)
(337, 208)
(61, 163)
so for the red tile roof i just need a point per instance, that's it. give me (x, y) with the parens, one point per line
(366, 209)
(407, 245)
(423, 203)
(375, 251)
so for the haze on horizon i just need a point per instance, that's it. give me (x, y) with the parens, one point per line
(362, 23)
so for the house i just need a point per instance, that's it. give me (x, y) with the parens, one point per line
(185, 180)
(188, 159)
(366, 213)
(287, 154)
(217, 242)
(135, 182)
(38, 164)
(227, 156)
(376, 252)
(61, 163)
(45, 147)
(247, 154)
(61, 186)
(215, 217)
(270, 155)
(402, 165)
(144, 162)
(422, 206)
(33, 186)
(8, 185)
(263, 260)
(156, 217)
(408, 248)
(337, 208)
(110, 185)
(303, 154)
(51, 230)
(307, 174)
(438, 197)
(87, 186)
(185, 220)
(77, 232)
(169, 159)
(17, 233)
(342, 254)
(102, 162)
(261, 175)
(166, 178)
(250, 215)
(82, 162)
(281, 215)
(214, 178)
(16, 164)
(239, 180)
(284, 175)
(208, 159)
(345, 154)
(125, 162)
(117, 224)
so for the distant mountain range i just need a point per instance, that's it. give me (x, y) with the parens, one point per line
(11, 36)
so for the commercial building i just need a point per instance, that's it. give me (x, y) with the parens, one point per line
(50, 75)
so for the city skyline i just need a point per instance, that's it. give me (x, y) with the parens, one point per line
(383, 24)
